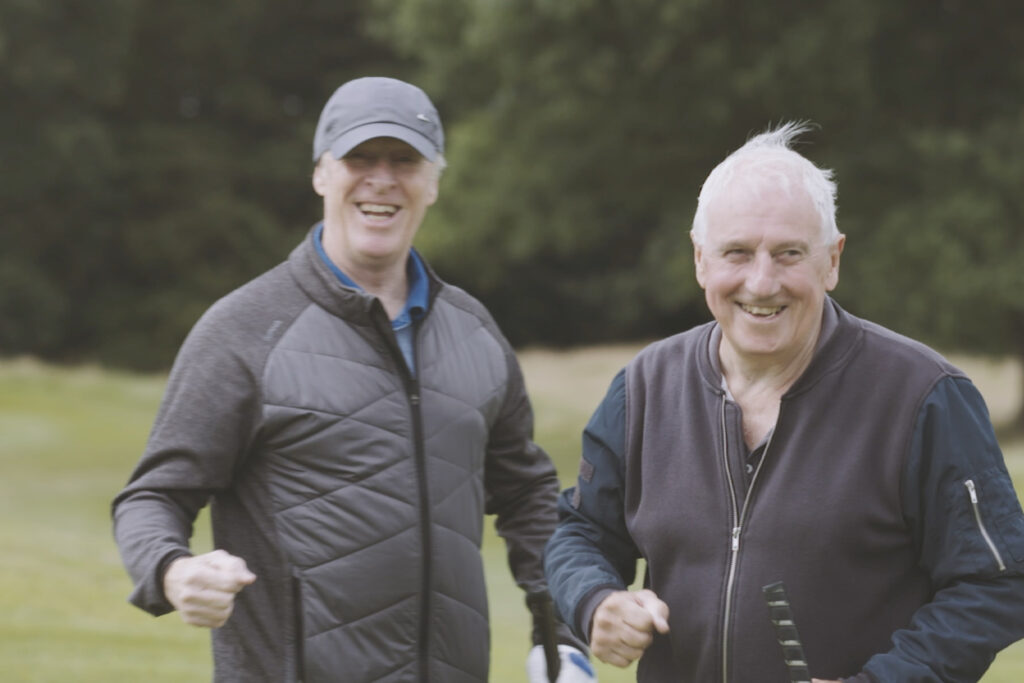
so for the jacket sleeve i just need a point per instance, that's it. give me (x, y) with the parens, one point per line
(521, 488)
(193, 449)
(591, 553)
(961, 505)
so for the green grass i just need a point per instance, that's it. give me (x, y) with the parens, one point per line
(68, 440)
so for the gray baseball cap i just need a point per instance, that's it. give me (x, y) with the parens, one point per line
(376, 107)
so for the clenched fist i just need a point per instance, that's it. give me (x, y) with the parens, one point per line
(203, 588)
(624, 624)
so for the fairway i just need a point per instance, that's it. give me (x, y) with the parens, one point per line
(68, 440)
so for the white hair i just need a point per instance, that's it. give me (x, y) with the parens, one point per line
(440, 163)
(768, 159)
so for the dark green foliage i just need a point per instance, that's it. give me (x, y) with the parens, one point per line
(156, 155)
(585, 128)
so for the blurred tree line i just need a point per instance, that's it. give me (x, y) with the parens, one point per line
(157, 154)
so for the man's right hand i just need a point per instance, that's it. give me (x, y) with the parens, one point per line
(623, 626)
(203, 588)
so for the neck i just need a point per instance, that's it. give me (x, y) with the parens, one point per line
(385, 279)
(391, 289)
(745, 374)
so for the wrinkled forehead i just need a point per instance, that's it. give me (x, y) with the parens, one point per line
(758, 205)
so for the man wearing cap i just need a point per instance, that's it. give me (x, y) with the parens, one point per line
(350, 418)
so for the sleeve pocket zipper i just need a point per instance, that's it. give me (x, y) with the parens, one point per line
(972, 490)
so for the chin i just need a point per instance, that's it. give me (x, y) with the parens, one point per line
(759, 347)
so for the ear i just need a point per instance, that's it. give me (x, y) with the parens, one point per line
(698, 261)
(433, 188)
(320, 178)
(834, 252)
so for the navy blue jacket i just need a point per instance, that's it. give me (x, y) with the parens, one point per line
(881, 499)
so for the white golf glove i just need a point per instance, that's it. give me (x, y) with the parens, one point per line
(575, 667)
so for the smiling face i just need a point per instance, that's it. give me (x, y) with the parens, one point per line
(765, 268)
(375, 198)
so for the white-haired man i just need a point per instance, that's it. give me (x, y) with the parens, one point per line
(352, 418)
(789, 441)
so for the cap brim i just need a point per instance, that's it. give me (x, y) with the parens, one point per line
(346, 142)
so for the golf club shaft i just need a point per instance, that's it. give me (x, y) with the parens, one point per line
(543, 610)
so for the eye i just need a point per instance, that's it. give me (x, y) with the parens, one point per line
(356, 157)
(789, 255)
(406, 159)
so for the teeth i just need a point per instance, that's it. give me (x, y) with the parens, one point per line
(761, 310)
(378, 208)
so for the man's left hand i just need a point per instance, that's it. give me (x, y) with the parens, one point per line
(575, 667)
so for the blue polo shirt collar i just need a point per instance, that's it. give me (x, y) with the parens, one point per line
(418, 300)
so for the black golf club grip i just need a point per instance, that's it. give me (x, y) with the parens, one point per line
(543, 610)
(785, 630)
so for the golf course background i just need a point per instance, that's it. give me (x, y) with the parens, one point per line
(70, 436)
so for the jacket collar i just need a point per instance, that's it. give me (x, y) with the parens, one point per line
(321, 285)
(841, 334)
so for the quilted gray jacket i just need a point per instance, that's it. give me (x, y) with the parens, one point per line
(355, 491)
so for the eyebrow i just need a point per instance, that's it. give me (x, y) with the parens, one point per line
(797, 244)
(781, 246)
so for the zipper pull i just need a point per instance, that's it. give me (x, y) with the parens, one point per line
(414, 399)
(735, 539)
(971, 490)
(993, 548)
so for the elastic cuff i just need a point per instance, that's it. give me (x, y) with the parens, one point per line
(163, 564)
(587, 607)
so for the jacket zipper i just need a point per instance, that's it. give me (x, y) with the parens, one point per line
(300, 647)
(973, 492)
(738, 517)
(734, 548)
(421, 471)
(413, 392)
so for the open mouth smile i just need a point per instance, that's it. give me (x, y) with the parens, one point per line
(762, 311)
(377, 210)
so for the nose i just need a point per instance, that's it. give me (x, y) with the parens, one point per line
(762, 278)
(381, 174)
